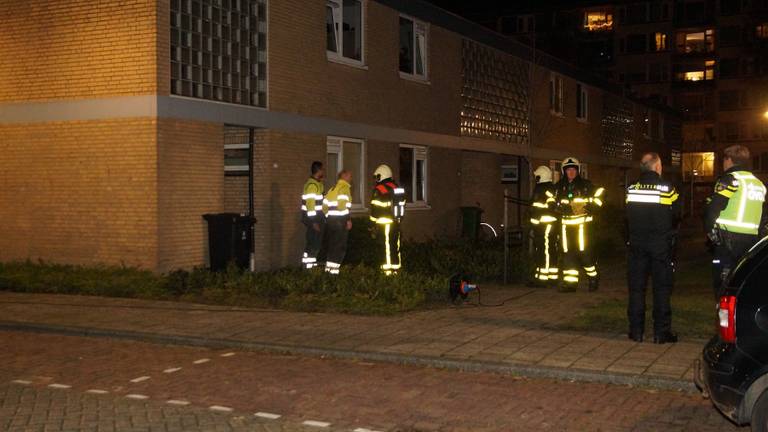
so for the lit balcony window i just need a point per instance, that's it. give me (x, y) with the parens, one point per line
(696, 42)
(761, 31)
(693, 76)
(660, 40)
(598, 21)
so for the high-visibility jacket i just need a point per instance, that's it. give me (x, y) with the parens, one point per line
(338, 201)
(577, 200)
(387, 202)
(312, 200)
(737, 204)
(653, 209)
(542, 211)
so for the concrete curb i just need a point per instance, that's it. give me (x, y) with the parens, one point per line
(529, 371)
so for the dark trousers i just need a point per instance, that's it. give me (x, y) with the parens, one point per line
(545, 252)
(576, 253)
(337, 234)
(389, 239)
(652, 259)
(727, 254)
(313, 243)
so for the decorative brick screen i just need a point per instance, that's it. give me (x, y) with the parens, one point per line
(617, 127)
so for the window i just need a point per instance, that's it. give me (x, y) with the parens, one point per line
(660, 124)
(658, 72)
(598, 21)
(219, 51)
(732, 131)
(236, 151)
(698, 42)
(699, 164)
(556, 94)
(582, 102)
(413, 47)
(636, 43)
(730, 35)
(344, 30)
(647, 123)
(699, 72)
(729, 67)
(761, 31)
(413, 173)
(525, 24)
(637, 13)
(659, 41)
(349, 154)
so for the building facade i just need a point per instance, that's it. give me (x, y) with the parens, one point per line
(123, 123)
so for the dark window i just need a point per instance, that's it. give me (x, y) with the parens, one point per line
(406, 171)
(636, 43)
(406, 45)
(729, 68)
(730, 7)
(637, 13)
(730, 35)
(729, 100)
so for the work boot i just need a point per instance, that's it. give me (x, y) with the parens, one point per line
(665, 337)
(635, 335)
(594, 284)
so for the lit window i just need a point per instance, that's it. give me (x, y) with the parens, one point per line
(344, 29)
(761, 31)
(556, 94)
(693, 76)
(708, 73)
(413, 173)
(698, 164)
(346, 154)
(698, 42)
(413, 47)
(598, 21)
(660, 40)
(582, 102)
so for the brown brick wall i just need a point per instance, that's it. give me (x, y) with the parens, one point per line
(190, 184)
(70, 49)
(79, 192)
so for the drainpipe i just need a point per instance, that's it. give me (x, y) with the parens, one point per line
(250, 199)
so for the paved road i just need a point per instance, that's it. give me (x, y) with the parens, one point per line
(65, 383)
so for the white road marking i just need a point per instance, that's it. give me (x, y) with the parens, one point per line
(172, 370)
(220, 408)
(137, 396)
(139, 379)
(315, 423)
(177, 402)
(96, 391)
(201, 361)
(229, 354)
(364, 430)
(59, 386)
(23, 382)
(267, 415)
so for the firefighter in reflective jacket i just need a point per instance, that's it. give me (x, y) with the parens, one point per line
(576, 200)
(336, 206)
(734, 217)
(387, 210)
(545, 227)
(312, 214)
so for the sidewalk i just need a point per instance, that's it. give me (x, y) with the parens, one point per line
(519, 337)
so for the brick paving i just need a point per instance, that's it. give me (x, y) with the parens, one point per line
(350, 395)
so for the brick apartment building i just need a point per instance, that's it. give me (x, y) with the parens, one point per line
(122, 123)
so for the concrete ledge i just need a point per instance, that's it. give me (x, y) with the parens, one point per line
(530, 371)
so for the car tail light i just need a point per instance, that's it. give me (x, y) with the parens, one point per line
(727, 314)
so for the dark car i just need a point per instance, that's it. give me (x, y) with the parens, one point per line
(733, 368)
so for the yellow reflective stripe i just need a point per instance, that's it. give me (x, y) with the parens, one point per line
(571, 272)
(534, 221)
(373, 219)
(727, 222)
(540, 205)
(383, 221)
(571, 278)
(598, 201)
(546, 219)
(581, 238)
(378, 203)
(726, 193)
(599, 192)
(564, 236)
(388, 264)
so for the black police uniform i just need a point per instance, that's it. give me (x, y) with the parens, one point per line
(653, 215)
(727, 247)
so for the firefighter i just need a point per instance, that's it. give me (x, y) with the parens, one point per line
(545, 227)
(653, 215)
(312, 214)
(387, 210)
(336, 206)
(734, 216)
(576, 201)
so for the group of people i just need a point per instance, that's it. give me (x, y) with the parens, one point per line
(328, 221)
(562, 216)
(735, 219)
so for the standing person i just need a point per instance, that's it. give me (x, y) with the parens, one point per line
(653, 215)
(312, 214)
(576, 199)
(734, 216)
(338, 222)
(544, 227)
(387, 210)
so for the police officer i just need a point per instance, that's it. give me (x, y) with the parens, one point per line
(653, 215)
(576, 201)
(387, 210)
(312, 214)
(734, 215)
(545, 227)
(336, 206)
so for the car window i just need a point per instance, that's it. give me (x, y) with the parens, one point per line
(751, 260)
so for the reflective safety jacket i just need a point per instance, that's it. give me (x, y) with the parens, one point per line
(653, 209)
(576, 201)
(737, 204)
(338, 201)
(312, 200)
(387, 202)
(542, 205)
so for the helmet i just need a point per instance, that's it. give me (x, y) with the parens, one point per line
(382, 172)
(571, 161)
(543, 174)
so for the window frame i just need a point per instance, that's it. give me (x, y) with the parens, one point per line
(335, 145)
(556, 95)
(425, 51)
(582, 103)
(338, 14)
(420, 153)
